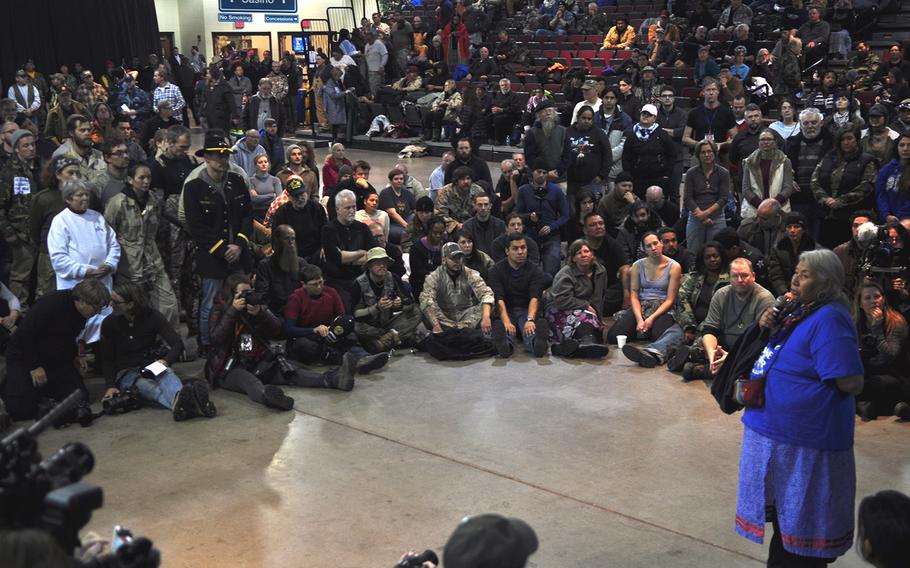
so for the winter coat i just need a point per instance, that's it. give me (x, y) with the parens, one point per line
(651, 158)
(55, 128)
(18, 185)
(849, 181)
(573, 290)
(251, 113)
(226, 325)
(780, 186)
(783, 259)
(333, 99)
(219, 106)
(452, 108)
(689, 291)
(136, 227)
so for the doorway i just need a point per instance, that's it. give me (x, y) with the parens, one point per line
(166, 42)
(255, 42)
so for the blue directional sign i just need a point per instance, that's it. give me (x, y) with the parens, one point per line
(235, 17)
(281, 18)
(283, 6)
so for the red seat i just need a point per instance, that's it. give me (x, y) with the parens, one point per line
(691, 92)
(587, 54)
(596, 39)
(576, 38)
(567, 54)
(623, 54)
(550, 53)
(665, 72)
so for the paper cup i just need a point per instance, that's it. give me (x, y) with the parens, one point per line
(621, 341)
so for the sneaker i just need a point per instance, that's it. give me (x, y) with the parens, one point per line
(865, 411)
(274, 397)
(565, 348)
(540, 343)
(344, 375)
(902, 411)
(371, 363)
(204, 406)
(693, 371)
(679, 359)
(501, 341)
(640, 356)
(184, 405)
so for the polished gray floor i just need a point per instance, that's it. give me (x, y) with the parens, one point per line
(613, 465)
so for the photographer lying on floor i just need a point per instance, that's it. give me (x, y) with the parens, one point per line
(132, 356)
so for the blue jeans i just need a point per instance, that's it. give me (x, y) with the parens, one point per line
(396, 231)
(550, 256)
(698, 234)
(210, 289)
(671, 338)
(161, 389)
(519, 316)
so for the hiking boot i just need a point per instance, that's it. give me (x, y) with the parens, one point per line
(902, 411)
(540, 342)
(865, 411)
(371, 363)
(565, 348)
(679, 359)
(590, 349)
(274, 397)
(343, 377)
(694, 371)
(640, 356)
(184, 405)
(501, 341)
(204, 406)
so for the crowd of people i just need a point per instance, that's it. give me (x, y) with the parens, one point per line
(624, 218)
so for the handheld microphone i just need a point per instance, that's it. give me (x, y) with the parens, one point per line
(780, 307)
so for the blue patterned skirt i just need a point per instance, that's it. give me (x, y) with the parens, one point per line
(813, 492)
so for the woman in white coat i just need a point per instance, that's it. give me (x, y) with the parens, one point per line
(767, 174)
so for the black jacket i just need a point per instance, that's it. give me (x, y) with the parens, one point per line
(219, 106)
(649, 159)
(214, 222)
(479, 168)
(307, 223)
(275, 284)
(598, 156)
(251, 113)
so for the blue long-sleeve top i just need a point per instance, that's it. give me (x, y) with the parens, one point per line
(887, 193)
(552, 209)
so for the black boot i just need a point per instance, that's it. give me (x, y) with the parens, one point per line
(565, 348)
(342, 378)
(500, 340)
(589, 348)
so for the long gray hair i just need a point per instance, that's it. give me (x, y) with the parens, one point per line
(828, 273)
(72, 186)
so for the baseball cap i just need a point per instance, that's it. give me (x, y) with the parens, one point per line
(490, 541)
(878, 109)
(450, 250)
(904, 104)
(650, 109)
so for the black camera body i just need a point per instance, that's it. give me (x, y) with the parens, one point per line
(80, 413)
(127, 401)
(253, 298)
(417, 561)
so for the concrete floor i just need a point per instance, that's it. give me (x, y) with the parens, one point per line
(613, 465)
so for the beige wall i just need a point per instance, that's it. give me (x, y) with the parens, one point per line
(191, 18)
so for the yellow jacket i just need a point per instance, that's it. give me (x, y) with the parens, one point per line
(613, 41)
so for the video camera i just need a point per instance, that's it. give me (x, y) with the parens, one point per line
(253, 298)
(878, 257)
(48, 494)
(81, 413)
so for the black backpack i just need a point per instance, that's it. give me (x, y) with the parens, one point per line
(738, 364)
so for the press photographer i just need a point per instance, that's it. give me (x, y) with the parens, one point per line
(133, 362)
(242, 360)
(884, 259)
(482, 541)
(41, 358)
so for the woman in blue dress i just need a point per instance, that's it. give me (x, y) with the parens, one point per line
(796, 465)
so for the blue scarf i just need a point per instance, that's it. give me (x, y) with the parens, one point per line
(644, 133)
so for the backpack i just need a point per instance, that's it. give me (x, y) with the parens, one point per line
(457, 345)
(738, 364)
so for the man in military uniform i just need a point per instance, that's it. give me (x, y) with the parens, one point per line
(18, 183)
(219, 219)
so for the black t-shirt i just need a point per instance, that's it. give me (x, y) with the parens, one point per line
(717, 121)
(611, 254)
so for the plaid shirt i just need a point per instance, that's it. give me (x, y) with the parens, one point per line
(169, 92)
(278, 202)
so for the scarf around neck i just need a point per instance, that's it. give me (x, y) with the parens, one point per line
(644, 133)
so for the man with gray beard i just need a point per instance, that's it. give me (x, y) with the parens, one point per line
(545, 143)
(279, 275)
(805, 150)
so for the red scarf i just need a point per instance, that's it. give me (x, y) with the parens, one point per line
(463, 48)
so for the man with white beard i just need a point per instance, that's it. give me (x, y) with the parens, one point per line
(805, 150)
(545, 144)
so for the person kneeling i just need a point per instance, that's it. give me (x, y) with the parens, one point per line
(518, 286)
(242, 361)
(318, 330)
(129, 342)
(385, 315)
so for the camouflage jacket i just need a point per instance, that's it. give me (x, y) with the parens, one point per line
(136, 227)
(18, 185)
(689, 291)
(455, 302)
